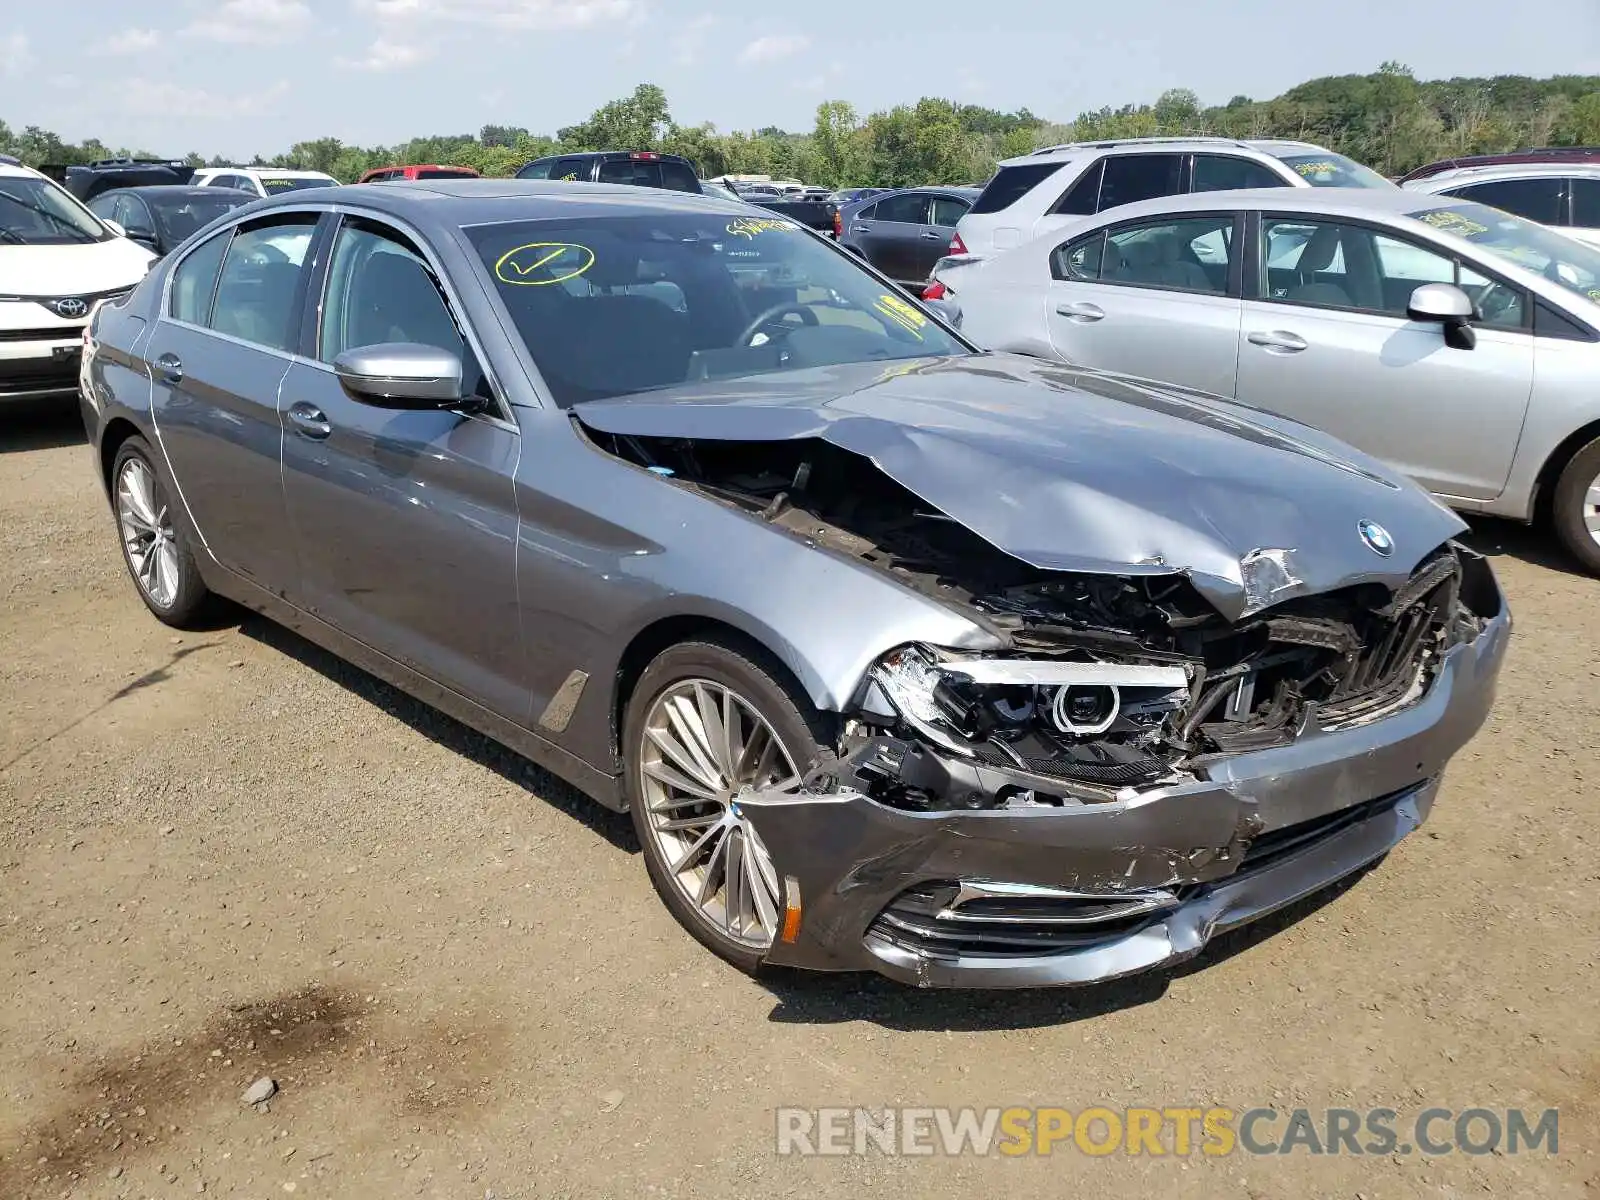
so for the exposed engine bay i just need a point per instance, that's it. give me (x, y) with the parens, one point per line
(1113, 682)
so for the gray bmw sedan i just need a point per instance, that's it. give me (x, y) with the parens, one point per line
(966, 668)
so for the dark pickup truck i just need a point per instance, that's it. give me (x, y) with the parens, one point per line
(88, 181)
(814, 214)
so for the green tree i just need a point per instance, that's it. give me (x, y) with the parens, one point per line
(639, 122)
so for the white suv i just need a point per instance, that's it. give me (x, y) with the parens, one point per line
(57, 261)
(1053, 187)
(263, 181)
(1564, 196)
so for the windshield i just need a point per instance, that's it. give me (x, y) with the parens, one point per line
(181, 216)
(1325, 169)
(621, 304)
(35, 212)
(286, 183)
(1557, 257)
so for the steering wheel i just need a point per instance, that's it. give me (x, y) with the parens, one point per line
(1496, 301)
(770, 318)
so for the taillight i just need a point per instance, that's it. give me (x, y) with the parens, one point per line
(838, 223)
(957, 246)
(934, 291)
(645, 156)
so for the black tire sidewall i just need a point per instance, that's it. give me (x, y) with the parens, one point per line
(192, 593)
(753, 674)
(1567, 506)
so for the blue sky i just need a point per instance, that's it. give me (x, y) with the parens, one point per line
(242, 76)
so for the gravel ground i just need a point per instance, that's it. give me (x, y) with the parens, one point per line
(225, 855)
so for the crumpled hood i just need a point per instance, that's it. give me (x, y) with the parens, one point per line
(1075, 470)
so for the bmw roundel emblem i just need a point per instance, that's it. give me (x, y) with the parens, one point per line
(1376, 537)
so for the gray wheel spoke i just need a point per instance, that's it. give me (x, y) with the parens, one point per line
(130, 517)
(703, 744)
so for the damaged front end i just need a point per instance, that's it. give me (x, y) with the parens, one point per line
(1130, 774)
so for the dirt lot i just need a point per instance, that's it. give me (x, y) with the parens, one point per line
(225, 854)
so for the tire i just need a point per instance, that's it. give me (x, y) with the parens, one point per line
(1575, 506)
(731, 922)
(155, 548)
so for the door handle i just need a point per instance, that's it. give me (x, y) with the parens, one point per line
(1081, 311)
(170, 368)
(1278, 340)
(857, 228)
(933, 237)
(310, 420)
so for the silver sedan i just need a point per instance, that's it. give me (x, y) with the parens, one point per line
(1456, 342)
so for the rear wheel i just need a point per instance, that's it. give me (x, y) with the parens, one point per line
(711, 721)
(154, 547)
(1575, 507)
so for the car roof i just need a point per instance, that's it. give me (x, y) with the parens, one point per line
(441, 203)
(1351, 202)
(1487, 172)
(174, 191)
(282, 172)
(1063, 152)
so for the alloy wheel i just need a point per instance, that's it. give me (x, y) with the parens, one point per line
(1591, 509)
(703, 747)
(147, 532)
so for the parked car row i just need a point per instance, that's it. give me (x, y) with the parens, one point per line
(966, 668)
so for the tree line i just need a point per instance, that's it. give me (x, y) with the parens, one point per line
(1389, 120)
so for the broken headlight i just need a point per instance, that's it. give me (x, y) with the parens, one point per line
(1033, 710)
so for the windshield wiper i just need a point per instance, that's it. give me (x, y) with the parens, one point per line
(11, 235)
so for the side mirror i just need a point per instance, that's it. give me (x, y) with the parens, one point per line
(1449, 306)
(145, 237)
(401, 375)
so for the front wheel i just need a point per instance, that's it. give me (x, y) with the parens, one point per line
(710, 721)
(154, 547)
(1575, 507)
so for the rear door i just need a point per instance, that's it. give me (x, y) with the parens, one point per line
(890, 238)
(217, 356)
(1158, 299)
(1326, 340)
(405, 521)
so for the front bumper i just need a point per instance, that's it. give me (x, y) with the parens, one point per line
(42, 368)
(1330, 803)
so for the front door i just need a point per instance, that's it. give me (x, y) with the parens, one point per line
(1326, 340)
(217, 356)
(890, 236)
(1156, 299)
(406, 521)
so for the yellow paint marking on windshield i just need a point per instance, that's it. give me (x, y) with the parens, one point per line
(749, 227)
(1451, 221)
(1317, 168)
(903, 313)
(516, 264)
(1594, 294)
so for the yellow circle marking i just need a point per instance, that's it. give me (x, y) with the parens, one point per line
(566, 260)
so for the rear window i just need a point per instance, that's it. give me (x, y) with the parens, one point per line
(1011, 184)
(677, 177)
(444, 175)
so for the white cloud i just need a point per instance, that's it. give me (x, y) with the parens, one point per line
(773, 47)
(386, 55)
(129, 41)
(506, 14)
(821, 81)
(689, 41)
(164, 98)
(253, 21)
(16, 53)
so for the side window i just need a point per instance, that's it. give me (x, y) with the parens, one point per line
(1190, 255)
(1079, 262)
(1499, 305)
(627, 170)
(909, 209)
(1309, 262)
(1533, 199)
(1083, 197)
(195, 280)
(946, 211)
(1585, 203)
(259, 288)
(105, 207)
(379, 290)
(1133, 177)
(536, 170)
(676, 177)
(135, 216)
(1224, 172)
(570, 170)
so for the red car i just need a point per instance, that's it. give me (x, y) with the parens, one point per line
(419, 171)
(1546, 154)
